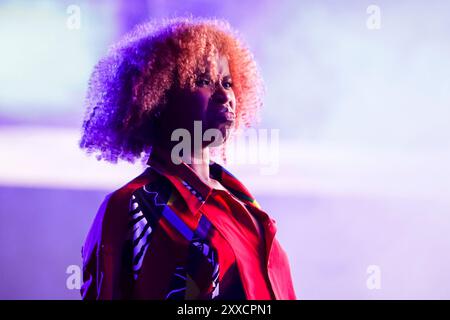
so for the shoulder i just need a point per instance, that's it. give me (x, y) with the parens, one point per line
(109, 227)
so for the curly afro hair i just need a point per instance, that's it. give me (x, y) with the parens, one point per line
(131, 83)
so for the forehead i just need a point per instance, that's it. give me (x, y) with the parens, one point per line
(218, 64)
(223, 67)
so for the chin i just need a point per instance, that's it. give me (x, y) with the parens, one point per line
(222, 133)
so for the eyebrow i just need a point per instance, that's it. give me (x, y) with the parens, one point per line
(208, 75)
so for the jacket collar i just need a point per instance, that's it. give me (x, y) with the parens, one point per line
(191, 187)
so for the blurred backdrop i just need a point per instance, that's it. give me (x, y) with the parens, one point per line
(358, 91)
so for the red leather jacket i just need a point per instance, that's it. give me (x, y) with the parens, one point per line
(157, 237)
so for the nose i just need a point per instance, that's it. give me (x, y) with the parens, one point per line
(221, 95)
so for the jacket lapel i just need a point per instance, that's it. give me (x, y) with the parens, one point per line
(241, 192)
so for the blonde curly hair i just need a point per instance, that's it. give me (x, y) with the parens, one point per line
(131, 83)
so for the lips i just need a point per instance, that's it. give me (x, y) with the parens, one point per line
(224, 114)
(228, 115)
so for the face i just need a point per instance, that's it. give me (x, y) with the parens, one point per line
(211, 101)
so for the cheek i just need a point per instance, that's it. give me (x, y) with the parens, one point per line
(233, 100)
(197, 103)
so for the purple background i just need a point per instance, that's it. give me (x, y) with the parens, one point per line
(364, 160)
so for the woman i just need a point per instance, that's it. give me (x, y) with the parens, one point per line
(185, 228)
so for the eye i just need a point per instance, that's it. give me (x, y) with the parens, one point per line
(227, 84)
(202, 82)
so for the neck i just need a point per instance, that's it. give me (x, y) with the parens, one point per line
(197, 160)
(199, 163)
